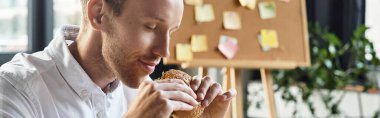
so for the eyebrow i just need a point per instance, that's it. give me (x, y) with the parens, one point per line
(157, 18)
(162, 20)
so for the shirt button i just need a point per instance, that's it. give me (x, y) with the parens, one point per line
(84, 93)
(100, 114)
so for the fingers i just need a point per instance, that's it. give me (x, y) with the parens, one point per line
(176, 87)
(195, 82)
(212, 92)
(205, 84)
(180, 96)
(175, 90)
(162, 97)
(180, 106)
(144, 83)
(171, 81)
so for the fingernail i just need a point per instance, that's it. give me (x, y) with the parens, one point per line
(200, 95)
(193, 87)
(233, 91)
(190, 107)
(205, 103)
(195, 96)
(224, 98)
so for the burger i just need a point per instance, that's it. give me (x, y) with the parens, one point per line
(177, 74)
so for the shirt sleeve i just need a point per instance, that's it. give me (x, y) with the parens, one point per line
(13, 104)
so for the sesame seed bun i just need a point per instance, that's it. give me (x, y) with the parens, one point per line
(177, 74)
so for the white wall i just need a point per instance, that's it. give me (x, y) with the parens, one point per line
(372, 20)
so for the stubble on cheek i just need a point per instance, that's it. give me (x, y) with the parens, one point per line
(123, 61)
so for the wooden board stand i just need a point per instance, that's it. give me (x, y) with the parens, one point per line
(231, 79)
(266, 81)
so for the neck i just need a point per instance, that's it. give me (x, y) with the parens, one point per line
(87, 50)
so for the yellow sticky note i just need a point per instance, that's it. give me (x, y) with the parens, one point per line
(204, 13)
(269, 38)
(231, 20)
(267, 10)
(243, 3)
(250, 4)
(199, 43)
(183, 52)
(193, 2)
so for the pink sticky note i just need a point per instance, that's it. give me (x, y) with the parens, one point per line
(286, 1)
(228, 46)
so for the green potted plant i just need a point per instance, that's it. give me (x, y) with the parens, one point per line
(327, 71)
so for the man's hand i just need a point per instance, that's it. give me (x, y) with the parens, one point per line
(212, 96)
(158, 99)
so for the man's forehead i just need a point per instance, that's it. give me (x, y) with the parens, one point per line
(154, 5)
(155, 9)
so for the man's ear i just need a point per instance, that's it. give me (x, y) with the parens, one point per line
(95, 13)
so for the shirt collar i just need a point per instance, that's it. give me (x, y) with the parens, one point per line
(69, 68)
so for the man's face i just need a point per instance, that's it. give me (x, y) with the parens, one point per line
(135, 41)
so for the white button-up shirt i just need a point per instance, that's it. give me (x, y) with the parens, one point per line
(52, 84)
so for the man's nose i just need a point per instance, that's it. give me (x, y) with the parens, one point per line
(162, 46)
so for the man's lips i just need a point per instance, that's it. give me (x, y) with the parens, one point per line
(149, 65)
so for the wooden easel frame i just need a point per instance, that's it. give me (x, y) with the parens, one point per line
(266, 81)
(231, 79)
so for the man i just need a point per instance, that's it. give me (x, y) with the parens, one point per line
(78, 74)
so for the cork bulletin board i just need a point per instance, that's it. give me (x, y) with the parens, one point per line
(290, 24)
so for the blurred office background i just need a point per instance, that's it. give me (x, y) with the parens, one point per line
(29, 26)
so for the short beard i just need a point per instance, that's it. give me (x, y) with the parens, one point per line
(115, 59)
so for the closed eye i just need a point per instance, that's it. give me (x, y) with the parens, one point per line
(151, 27)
